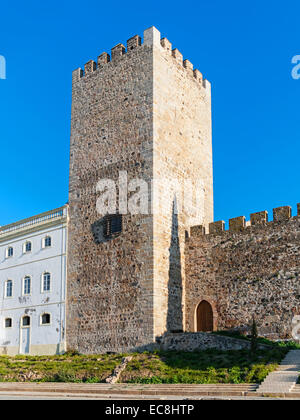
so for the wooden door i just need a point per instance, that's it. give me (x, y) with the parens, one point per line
(205, 319)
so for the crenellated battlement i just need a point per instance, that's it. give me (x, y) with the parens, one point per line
(240, 224)
(151, 38)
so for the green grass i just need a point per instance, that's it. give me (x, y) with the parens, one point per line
(65, 368)
(210, 366)
(205, 367)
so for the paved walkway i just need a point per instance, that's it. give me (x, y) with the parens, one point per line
(113, 398)
(283, 380)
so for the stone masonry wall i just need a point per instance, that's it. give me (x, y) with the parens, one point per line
(203, 341)
(182, 155)
(147, 112)
(251, 270)
(110, 282)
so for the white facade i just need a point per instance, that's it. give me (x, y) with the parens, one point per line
(33, 284)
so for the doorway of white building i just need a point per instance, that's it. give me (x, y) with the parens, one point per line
(25, 335)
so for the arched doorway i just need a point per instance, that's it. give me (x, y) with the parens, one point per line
(205, 317)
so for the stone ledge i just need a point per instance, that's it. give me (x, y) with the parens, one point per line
(203, 341)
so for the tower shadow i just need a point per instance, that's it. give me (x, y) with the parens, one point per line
(175, 315)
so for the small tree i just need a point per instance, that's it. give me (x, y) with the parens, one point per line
(253, 336)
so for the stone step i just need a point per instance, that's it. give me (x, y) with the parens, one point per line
(123, 389)
(119, 385)
(288, 368)
(285, 377)
(136, 389)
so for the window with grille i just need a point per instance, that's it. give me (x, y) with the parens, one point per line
(10, 252)
(47, 242)
(9, 288)
(27, 286)
(27, 247)
(113, 225)
(46, 282)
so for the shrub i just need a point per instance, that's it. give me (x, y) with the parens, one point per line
(68, 377)
(254, 336)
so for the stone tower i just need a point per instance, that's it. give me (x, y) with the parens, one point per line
(146, 113)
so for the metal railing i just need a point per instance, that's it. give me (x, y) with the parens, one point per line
(31, 221)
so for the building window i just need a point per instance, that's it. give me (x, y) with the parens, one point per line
(8, 323)
(46, 282)
(27, 286)
(47, 242)
(27, 247)
(45, 319)
(9, 288)
(9, 252)
(26, 321)
(113, 225)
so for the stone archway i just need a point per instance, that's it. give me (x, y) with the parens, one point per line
(204, 317)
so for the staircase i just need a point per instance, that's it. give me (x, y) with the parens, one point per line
(284, 379)
(128, 391)
(295, 392)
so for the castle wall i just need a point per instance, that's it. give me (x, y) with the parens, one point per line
(251, 270)
(182, 156)
(110, 282)
(145, 112)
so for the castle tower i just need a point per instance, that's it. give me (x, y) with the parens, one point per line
(142, 120)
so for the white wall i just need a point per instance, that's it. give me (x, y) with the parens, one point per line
(44, 339)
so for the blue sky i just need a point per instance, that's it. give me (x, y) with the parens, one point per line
(244, 48)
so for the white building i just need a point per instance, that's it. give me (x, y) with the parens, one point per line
(33, 284)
